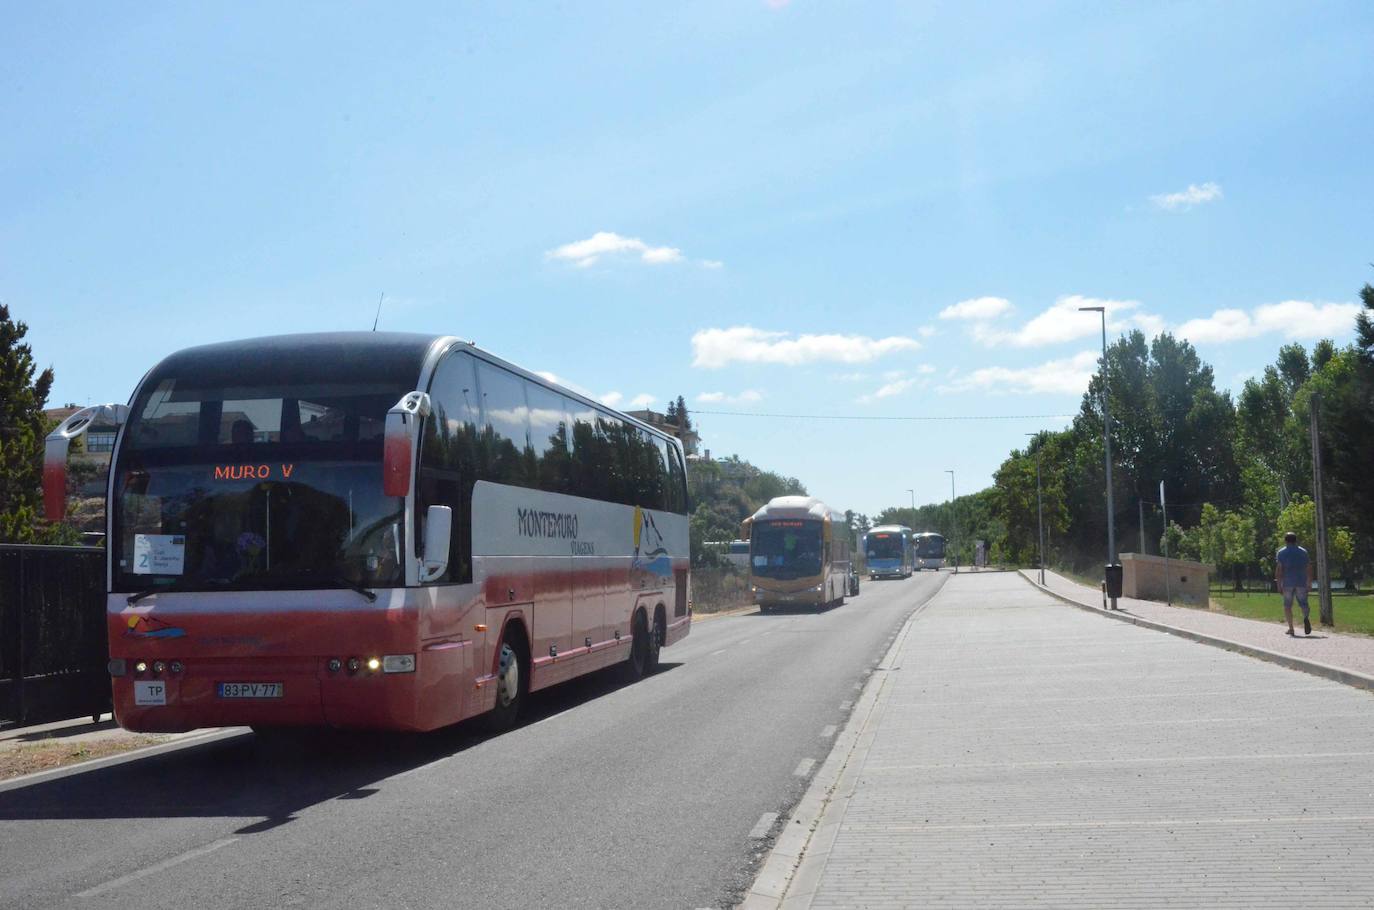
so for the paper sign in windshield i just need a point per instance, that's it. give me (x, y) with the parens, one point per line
(159, 554)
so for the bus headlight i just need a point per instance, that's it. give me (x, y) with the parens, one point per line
(398, 663)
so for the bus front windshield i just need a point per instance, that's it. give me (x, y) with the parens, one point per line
(256, 487)
(884, 546)
(787, 549)
(930, 547)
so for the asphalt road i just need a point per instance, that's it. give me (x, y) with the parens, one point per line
(657, 794)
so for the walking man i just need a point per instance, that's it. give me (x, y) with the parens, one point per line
(1293, 574)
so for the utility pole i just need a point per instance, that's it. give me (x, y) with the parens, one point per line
(1140, 504)
(1323, 572)
(913, 507)
(1164, 508)
(1107, 441)
(953, 519)
(1039, 509)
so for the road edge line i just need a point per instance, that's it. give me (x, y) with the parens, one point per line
(803, 847)
(1335, 674)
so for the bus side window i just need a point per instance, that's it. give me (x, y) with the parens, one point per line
(677, 482)
(650, 471)
(509, 458)
(551, 438)
(448, 459)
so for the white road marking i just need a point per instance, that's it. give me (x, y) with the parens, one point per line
(156, 867)
(714, 653)
(805, 767)
(846, 705)
(764, 825)
(828, 731)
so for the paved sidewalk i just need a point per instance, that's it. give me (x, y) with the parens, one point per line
(1022, 752)
(1334, 649)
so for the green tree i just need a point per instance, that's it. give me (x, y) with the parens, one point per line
(23, 394)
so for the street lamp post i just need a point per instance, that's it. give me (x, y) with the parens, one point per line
(1106, 442)
(913, 505)
(953, 520)
(1039, 509)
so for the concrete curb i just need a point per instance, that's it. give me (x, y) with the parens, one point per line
(1336, 674)
(792, 871)
(192, 740)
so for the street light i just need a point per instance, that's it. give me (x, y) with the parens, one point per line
(1039, 509)
(1106, 441)
(913, 505)
(953, 520)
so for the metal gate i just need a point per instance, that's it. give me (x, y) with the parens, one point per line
(53, 645)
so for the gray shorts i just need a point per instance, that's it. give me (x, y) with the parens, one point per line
(1299, 593)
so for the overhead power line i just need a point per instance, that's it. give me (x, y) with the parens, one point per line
(882, 417)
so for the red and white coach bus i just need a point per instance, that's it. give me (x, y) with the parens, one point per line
(373, 530)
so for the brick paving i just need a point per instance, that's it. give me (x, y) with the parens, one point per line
(1025, 753)
(1349, 652)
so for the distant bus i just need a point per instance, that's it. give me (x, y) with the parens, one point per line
(739, 553)
(374, 530)
(888, 552)
(930, 550)
(732, 552)
(799, 553)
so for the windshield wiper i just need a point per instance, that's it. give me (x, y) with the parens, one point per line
(171, 589)
(355, 586)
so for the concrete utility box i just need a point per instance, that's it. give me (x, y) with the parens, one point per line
(1144, 578)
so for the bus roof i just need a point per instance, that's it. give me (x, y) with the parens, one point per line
(399, 358)
(797, 507)
(889, 529)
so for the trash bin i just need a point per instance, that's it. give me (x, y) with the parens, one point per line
(1114, 579)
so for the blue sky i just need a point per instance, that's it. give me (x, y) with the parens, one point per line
(848, 209)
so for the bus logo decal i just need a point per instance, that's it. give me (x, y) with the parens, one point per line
(151, 627)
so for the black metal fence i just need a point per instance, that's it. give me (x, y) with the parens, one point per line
(53, 646)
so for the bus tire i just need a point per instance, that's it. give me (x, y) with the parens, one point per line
(636, 665)
(512, 684)
(656, 636)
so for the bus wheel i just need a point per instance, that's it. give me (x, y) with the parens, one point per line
(636, 665)
(655, 647)
(510, 689)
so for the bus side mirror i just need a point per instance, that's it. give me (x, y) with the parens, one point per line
(438, 530)
(398, 442)
(57, 444)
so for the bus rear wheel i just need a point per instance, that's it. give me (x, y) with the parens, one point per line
(637, 664)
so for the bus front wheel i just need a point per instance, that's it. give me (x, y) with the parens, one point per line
(511, 686)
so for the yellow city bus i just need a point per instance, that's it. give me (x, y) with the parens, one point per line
(799, 553)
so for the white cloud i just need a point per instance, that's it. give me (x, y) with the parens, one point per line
(714, 348)
(611, 399)
(895, 387)
(925, 369)
(712, 264)
(748, 396)
(1060, 322)
(1068, 376)
(1293, 319)
(978, 308)
(642, 400)
(1183, 201)
(852, 377)
(585, 253)
(926, 331)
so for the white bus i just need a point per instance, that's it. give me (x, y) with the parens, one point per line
(375, 530)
